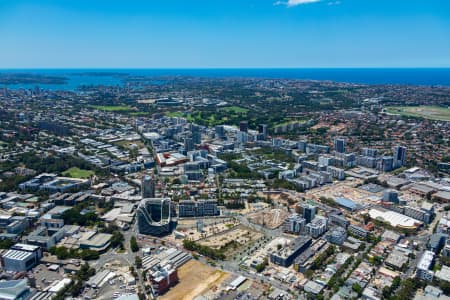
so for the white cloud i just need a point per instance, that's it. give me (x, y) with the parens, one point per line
(334, 2)
(292, 3)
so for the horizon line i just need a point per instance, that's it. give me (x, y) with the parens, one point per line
(213, 68)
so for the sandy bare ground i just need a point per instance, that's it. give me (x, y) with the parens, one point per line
(195, 279)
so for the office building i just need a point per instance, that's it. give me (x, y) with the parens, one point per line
(196, 134)
(385, 164)
(243, 126)
(156, 216)
(390, 196)
(207, 207)
(188, 144)
(287, 254)
(339, 145)
(187, 209)
(220, 131)
(301, 145)
(200, 208)
(148, 187)
(369, 152)
(262, 129)
(241, 137)
(399, 156)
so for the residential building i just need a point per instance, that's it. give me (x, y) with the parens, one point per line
(358, 231)
(317, 227)
(148, 187)
(337, 236)
(295, 224)
(307, 211)
(424, 266)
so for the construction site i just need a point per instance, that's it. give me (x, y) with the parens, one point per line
(239, 234)
(269, 218)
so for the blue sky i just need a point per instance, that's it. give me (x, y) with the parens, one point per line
(225, 33)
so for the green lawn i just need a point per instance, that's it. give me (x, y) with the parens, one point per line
(426, 112)
(112, 107)
(75, 172)
(235, 109)
(174, 114)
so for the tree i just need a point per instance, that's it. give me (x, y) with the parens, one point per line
(88, 254)
(357, 288)
(6, 243)
(138, 261)
(60, 252)
(116, 239)
(133, 244)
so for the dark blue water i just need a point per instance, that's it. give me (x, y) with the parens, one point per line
(413, 76)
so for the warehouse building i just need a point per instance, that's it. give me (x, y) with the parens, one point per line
(21, 257)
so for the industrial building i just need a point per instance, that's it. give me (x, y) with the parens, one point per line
(162, 269)
(21, 257)
(15, 289)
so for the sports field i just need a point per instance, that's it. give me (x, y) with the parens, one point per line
(427, 112)
(75, 172)
(112, 108)
(235, 109)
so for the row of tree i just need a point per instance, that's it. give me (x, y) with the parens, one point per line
(204, 250)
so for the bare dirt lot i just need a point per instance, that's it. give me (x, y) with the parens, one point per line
(195, 279)
(240, 234)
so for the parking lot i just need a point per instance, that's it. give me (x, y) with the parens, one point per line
(45, 277)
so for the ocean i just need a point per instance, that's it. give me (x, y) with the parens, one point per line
(112, 77)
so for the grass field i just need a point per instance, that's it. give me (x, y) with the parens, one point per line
(426, 112)
(174, 114)
(77, 173)
(235, 110)
(112, 107)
